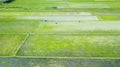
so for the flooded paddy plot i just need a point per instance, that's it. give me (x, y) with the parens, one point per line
(58, 17)
(9, 43)
(71, 46)
(89, 6)
(39, 62)
(80, 26)
(106, 13)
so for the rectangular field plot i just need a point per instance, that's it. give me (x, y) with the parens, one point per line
(117, 18)
(80, 27)
(9, 43)
(71, 46)
(17, 26)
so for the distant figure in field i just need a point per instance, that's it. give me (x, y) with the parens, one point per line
(56, 23)
(45, 20)
(7, 1)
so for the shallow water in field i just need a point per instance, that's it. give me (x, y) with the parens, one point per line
(81, 26)
(89, 6)
(58, 17)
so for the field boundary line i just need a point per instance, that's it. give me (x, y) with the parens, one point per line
(23, 42)
(92, 58)
(13, 33)
(79, 34)
(40, 26)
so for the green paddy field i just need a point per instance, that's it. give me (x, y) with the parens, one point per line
(60, 33)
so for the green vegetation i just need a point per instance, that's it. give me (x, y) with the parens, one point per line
(61, 17)
(60, 33)
(15, 26)
(60, 5)
(109, 17)
(9, 43)
(71, 46)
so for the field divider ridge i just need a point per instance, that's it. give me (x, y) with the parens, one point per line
(76, 34)
(23, 42)
(92, 58)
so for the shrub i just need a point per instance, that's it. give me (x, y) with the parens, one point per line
(7, 1)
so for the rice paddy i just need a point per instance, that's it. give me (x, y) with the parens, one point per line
(60, 33)
(9, 43)
(71, 46)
